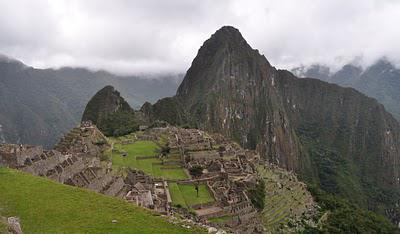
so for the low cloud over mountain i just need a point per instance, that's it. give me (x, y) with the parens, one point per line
(162, 36)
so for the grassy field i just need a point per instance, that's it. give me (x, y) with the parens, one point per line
(45, 206)
(186, 196)
(3, 226)
(150, 165)
(176, 195)
(221, 219)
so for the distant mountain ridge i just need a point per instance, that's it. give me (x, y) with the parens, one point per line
(380, 80)
(38, 106)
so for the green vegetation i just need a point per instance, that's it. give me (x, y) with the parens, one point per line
(143, 155)
(110, 113)
(284, 197)
(176, 195)
(185, 195)
(196, 170)
(45, 206)
(118, 124)
(340, 216)
(189, 193)
(3, 226)
(170, 110)
(165, 150)
(336, 173)
(257, 195)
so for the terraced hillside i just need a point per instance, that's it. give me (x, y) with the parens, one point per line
(45, 206)
(129, 152)
(287, 201)
(76, 139)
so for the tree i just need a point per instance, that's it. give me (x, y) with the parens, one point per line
(197, 188)
(257, 195)
(196, 171)
(165, 150)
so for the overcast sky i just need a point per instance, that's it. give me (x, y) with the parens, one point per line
(128, 36)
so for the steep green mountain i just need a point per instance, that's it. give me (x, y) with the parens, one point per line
(332, 136)
(381, 81)
(110, 113)
(169, 108)
(38, 106)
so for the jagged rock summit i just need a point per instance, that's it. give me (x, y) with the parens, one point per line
(334, 137)
(110, 112)
(215, 57)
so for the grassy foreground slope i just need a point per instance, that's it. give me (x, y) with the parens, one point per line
(3, 226)
(45, 206)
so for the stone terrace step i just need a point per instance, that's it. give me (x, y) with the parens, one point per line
(115, 187)
(100, 183)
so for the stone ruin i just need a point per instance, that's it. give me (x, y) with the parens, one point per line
(228, 172)
(75, 161)
(83, 140)
(148, 192)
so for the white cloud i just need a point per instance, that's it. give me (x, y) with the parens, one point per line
(164, 36)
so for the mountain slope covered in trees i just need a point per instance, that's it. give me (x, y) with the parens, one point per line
(380, 80)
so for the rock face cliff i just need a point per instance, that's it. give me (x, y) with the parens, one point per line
(230, 88)
(332, 136)
(110, 113)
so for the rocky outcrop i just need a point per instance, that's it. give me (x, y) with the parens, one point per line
(333, 136)
(14, 225)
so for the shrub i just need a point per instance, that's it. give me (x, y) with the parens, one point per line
(257, 195)
(196, 170)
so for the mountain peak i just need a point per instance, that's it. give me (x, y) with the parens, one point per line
(108, 88)
(223, 53)
(110, 112)
(227, 35)
(228, 31)
(104, 102)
